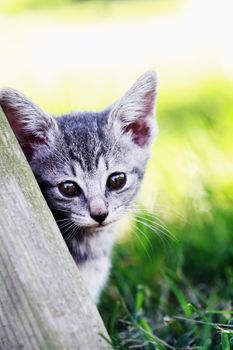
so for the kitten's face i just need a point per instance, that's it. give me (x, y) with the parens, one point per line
(92, 173)
(88, 165)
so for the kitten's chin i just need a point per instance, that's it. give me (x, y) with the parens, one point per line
(97, 228)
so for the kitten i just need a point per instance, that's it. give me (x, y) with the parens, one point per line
(89, 167)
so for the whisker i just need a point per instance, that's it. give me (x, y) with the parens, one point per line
(73, 232)
(157, 225)
(60, 220)
(153, 228)
(143, 234)
(64, 224)
(158, 232)
(66, 229)
(141, 242)
(154, 221)
(70, 235)
(59, 210)
(160, 208)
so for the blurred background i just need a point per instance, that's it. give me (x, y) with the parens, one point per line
(171, 285)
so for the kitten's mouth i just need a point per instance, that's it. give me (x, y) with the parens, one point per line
(97, 226)
(91, 230)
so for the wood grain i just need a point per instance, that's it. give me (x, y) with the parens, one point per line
(43, 302)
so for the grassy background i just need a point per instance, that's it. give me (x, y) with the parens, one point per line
(171, 284)
(180, 290)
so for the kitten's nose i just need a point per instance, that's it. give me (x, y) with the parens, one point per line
(99, 217)
(98, 209)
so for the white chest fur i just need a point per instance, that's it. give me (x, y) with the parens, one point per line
(95, 268)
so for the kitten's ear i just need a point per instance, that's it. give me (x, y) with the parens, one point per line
(31, 125)
(135, 110)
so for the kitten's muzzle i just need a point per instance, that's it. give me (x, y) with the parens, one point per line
(98, 210)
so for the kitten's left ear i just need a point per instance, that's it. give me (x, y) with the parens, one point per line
(135, 110)
(31, 125)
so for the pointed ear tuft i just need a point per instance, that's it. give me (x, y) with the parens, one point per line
(31, 125)
(135, 110)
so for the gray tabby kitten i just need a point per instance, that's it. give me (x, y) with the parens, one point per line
(89, 167)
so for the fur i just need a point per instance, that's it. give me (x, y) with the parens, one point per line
(86, 148)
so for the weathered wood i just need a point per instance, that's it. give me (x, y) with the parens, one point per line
(43, 303)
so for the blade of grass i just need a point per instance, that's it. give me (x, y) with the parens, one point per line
(225, 341)
(179, 296)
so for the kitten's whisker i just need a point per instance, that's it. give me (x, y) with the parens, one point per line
(58, 209)
(66, 230)
(61, 220)
(158, 232)
(77, 230)
(143, 234)
(153, 227)
(157, 225)
(153, 220)
(73, 232)
(66, 226)
(68, 238)
(63, 225)
(164, 209)
(142, 243)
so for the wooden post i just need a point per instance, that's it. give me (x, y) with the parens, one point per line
(43, 302)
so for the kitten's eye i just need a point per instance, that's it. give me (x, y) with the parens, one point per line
(69, 189)
(116, 181)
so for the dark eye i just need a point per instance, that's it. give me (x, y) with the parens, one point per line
(116, 181)
(69, 189)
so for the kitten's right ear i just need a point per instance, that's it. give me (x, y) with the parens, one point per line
(31, 125)
(135, 110)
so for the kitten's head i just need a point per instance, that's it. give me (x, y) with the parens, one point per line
(88, 165)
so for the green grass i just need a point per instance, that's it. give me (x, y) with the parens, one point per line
(177, 293)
